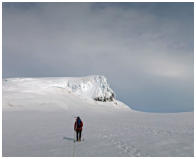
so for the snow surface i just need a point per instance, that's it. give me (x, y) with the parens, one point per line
(38, 117)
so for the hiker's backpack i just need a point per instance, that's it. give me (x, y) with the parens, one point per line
(79, 123)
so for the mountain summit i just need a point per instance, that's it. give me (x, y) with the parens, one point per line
(95, 87)
(63, 92)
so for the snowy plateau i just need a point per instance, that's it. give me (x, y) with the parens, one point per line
(39, 114)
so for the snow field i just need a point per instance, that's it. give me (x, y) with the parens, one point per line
(38, 118)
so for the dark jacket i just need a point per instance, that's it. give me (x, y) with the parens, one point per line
(78, 127)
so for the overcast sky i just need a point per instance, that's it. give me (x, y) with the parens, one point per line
(145, 50)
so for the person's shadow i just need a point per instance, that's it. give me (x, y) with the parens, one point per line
(68, 138)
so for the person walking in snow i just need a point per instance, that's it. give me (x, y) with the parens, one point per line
(78, 128)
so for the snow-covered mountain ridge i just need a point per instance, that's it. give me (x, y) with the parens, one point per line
(95, 87)
(89, 89)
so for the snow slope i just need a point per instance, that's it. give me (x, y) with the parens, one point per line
(38, 118)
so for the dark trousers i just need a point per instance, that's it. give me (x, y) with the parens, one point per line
(78, 134)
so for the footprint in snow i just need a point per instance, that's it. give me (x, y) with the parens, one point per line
(130, 150)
